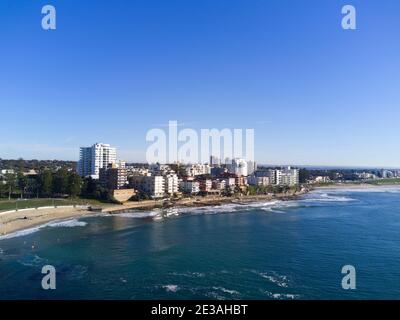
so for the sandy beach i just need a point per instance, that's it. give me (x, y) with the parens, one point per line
(356, 186)
(16, 221)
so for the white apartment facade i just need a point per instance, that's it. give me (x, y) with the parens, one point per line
(287, 177)
(259, 181)
(171, 184)
(94, 158)
(154, 186)
(198, 169)
(239, 167)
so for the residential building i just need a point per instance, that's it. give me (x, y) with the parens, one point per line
(171, 183)
(205, 185)
(153, 186)
(113, 177)
(239, 167)
(190, 186)
(218, 171)
(269, 173)
(259, 181)
(321, 179)
(94, 158)
(251, 167)
(7, 171)
(230, 182)
(287, 177)
(219, 184)
(197, 169)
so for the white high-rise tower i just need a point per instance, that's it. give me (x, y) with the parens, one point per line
(93, 158)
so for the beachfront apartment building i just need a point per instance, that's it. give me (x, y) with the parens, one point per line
(171, 183)
(94, 158)
(153, 186)
(197, 169)
(113, 177)
(280, 177)
(230, 182)
(259, 181)
(205, 185)
(219, 184)
(287, 177)
(190, 186)
(269, 173)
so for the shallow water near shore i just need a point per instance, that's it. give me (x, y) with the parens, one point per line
(268, 250)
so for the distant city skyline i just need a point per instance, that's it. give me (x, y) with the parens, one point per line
(315, 94)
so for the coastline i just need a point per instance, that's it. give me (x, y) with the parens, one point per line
(355, 186)
(11, 222)
(26, 219)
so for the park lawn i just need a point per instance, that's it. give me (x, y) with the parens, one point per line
(6, 204)
(385, 181)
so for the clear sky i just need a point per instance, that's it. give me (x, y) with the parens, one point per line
(314, 93)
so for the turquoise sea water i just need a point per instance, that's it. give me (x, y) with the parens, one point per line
(279, 250)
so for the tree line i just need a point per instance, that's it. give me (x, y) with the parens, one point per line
(47, 183)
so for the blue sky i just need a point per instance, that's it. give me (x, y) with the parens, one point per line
(314, 93)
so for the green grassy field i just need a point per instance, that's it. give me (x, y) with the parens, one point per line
(385, 181)
(6, 205)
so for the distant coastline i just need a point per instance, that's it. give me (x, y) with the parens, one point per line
(355, 186)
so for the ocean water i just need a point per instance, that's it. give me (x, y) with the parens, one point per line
(279, 250)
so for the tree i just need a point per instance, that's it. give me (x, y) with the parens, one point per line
(3, 188)
(11, 184)
(60, 182)
(46, 183)
(33, 187)
(74, 185)
(89, 187)
(304, 175)
(22, 182)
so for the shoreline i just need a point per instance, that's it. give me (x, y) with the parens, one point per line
(200, 202)
(354, 186)
(22, 220)
(27, 219)
(11, 222)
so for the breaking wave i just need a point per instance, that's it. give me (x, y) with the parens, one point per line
(273, 277)
(56, 224)
(325, 197)
(67, 224)
(171, 288)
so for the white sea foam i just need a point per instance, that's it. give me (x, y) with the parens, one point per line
(189, 274)
(329, 198)
(67, 224)
(284, 296)
(273, 277)
(231, 292)
(32, 261)
(137, 214)
(274, 206)
(20, 233)
(171, 288)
